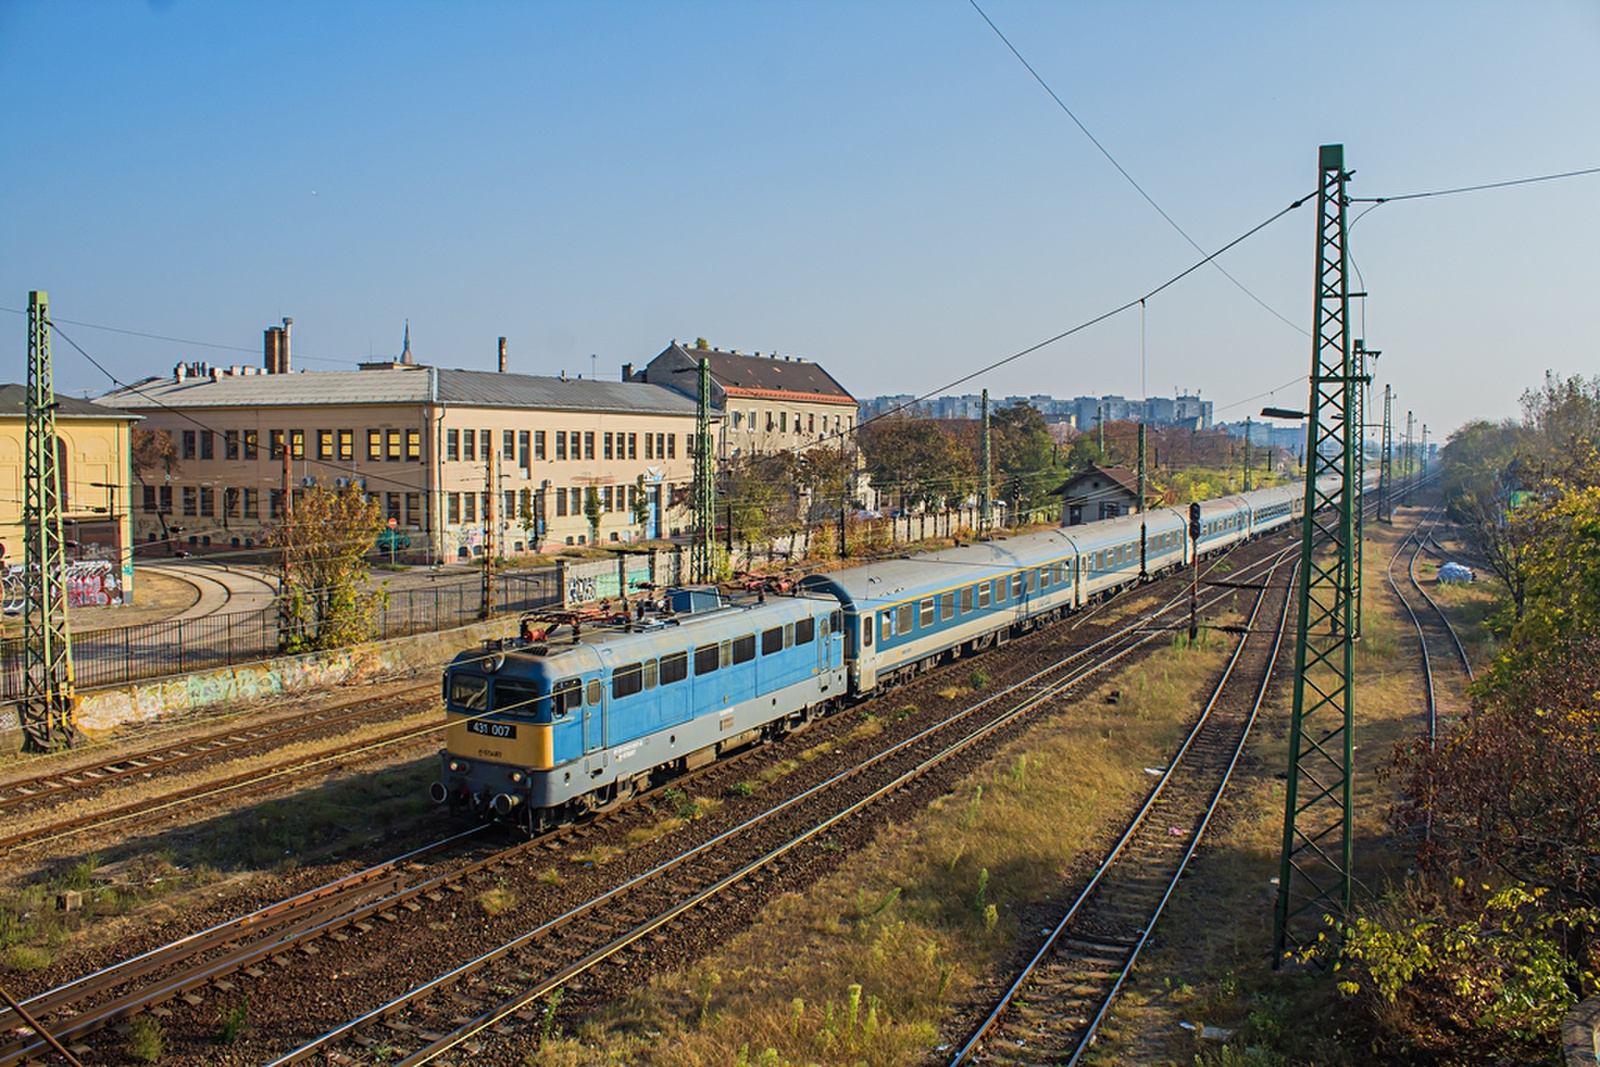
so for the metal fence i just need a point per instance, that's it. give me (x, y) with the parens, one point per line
(178, 646)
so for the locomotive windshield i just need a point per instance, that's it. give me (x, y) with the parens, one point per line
(469, 692)
(520, 698)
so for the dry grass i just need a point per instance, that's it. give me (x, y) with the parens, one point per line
(864, 966)
(497, 901)
(1207, 963)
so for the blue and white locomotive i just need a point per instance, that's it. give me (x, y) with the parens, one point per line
(558, 722)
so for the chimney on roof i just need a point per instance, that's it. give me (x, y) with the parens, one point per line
(179, 373)
(283, 353)
(502, 355)
(627, 372)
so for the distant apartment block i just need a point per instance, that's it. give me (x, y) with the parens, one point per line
(1082, 413)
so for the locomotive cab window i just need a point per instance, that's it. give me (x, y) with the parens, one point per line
(469, 692)
(805, 631)
(705, 659)
(566, 696)
(674, 667)
(772, 640)
(593, 697)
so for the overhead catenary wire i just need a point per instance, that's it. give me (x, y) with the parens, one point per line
(1130, 179)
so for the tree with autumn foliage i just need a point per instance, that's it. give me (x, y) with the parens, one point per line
(324, 541)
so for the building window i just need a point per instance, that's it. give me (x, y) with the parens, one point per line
(391, 506)
(191, 500)
(275, 503)
(484, 445)
(783, 422)
(769, 422)
(671, 449)
(166, 500)
(324, 444)
(391, 443)
(189, 450)
(230, 444)
(738, 418)
(149, 498)
(524, 454)
(470, 446)
(452, 509)
(508, 445)
(811, 423)
(561, 444)
(649, 446)
(538, 445)
(413, 509)
(252, 440)
(508, 506)
(374, 445)
(297, 444)
(575, 500)
(414, 446)
(688, 446)
(561, 503)
(347, 445)
(633, 446)
(452, 445)
(230, 504)
(469, 502)
(588, 444)
(606, 445)
(208, 501)
(605, 499)
(252, 503)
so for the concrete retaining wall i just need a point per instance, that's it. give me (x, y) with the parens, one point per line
(103, 710)
(1580, 1035)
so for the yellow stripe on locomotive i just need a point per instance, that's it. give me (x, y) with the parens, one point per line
(518, 744)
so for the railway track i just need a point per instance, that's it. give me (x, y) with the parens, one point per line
(1052, 1010)
(1432, 626)
(349, 908)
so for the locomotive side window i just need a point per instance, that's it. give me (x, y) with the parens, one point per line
(725, 653)
(926, 609)
(836, 622)
(788, 635)
(772, 640)
(627, 680)
(906, 615)
(515, 696)
(805, 631)
(594, 693)
(947, 607)
(566, 696)
(966, 599)
(984, 591)
(469, 693)
(705, 659)
(674, 667)
(744, 648)
(649, 674)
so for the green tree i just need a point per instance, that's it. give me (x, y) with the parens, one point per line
(592, 512)
(1024, 458)
(759, 496)
(327, 602)
(641, 504)
(917, 461)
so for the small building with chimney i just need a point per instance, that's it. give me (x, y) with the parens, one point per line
(1098, 493)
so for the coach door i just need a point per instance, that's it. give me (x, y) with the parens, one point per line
(594, 716)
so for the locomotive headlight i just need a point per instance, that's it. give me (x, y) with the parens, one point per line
(517, 777)
(460, 766)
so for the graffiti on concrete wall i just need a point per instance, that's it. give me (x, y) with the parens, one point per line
(90, 583)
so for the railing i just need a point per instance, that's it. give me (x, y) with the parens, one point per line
(179, 646)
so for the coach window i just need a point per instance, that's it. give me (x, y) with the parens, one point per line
(985, 590)
(744, 648)
(886, 625)
(772, 640)
(805, 631)
(566, 696)
(1032, 580)
(947, 607)
(966, 599)
(593, 696)
(907, 615)
(627, 680)
(925, 612)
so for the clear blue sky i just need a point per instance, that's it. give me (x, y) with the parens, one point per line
(880, 187)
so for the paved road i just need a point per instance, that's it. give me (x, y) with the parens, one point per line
(224, 588)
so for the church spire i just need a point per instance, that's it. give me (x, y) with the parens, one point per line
(405, 351)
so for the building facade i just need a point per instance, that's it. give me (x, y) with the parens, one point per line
(1098, 493)
(93, 450)
(452, 456)
(765, 403)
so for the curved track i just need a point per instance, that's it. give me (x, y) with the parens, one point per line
(1431, 625)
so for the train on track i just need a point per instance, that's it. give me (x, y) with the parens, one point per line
(581, 711)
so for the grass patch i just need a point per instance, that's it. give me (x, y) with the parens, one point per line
(497, 900)
(864, 966)
(772, 773)
(146, 1040)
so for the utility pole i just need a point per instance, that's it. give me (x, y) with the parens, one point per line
(1386, 463)
(846, 469)
(986, 493)
(1144, 571)
(492, 489)
(1100, 425)
(290, 621)
(46, 712)
(1247, 457)
(702, 558)
(1406, 468)
(1422, 457)
(1359, 422)
(1318, 820)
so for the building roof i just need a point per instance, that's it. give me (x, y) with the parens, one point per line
(1121, 477)
(768, 376)
(14, 401)
(392, 385)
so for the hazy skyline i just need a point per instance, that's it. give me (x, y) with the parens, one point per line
(879, 187)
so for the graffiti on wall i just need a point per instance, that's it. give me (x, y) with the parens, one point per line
(90, 583)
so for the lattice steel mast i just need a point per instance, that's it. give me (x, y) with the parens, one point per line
(1314, 876)
(702, 562)
(45, 712)
(1386, 463)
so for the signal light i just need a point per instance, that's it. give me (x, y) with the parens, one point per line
(1194, 522)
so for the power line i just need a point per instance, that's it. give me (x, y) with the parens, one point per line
(173, 340)
(1473, 188)
(1123, 171)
